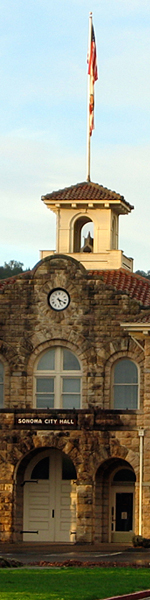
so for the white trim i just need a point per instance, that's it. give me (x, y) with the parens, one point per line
(113, 487)
(141, 436)
(139, 327)
(130, 489)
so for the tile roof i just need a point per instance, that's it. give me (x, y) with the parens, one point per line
(144, 318)
(10, 280)
(134, 285)
(122, 281)
(86, 190)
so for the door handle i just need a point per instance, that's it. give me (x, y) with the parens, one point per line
(53, 512)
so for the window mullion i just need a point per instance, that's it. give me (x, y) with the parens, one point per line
(59, 376)
(57, 395)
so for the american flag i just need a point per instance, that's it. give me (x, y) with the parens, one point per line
(93, 72)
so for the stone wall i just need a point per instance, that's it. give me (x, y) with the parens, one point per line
(89, 450)
(90, 327)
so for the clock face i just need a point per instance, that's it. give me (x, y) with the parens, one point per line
(58, 299)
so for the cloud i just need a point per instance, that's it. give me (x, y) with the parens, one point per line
(31, 168)
(44, 112)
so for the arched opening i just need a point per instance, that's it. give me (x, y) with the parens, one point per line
(83, 235)
(114, 501)
(46, 497)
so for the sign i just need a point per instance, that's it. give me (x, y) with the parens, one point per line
(46, 422)
(124, 515)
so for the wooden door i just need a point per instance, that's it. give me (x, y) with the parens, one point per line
(49, 501)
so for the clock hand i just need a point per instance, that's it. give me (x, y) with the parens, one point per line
(61, 301)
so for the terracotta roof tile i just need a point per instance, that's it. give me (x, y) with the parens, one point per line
(145, 318)
(134, 285)
(86, 190)
(10, 280)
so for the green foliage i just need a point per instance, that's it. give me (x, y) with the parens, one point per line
(146, 543)
(143, 274)
(137, 540)
(10, 269)
(71, 583)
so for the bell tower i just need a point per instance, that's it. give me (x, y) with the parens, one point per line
(85, 203)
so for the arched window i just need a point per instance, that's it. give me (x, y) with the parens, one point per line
(41, 469)
(125, 385)
(58, 379)
(124, 475)
(1, 385)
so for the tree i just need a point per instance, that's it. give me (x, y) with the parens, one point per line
(10, 269)
(144, 274)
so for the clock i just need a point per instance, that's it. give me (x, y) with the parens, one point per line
(58, 299)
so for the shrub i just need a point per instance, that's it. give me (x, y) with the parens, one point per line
(137, 540)
(146, 543)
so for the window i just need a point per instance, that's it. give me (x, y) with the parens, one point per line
(125, 384)
(41, 469)
(1, 385)
(68, 468)
(58, 379)
(124, 475)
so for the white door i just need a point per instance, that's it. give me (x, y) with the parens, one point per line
(49, 500)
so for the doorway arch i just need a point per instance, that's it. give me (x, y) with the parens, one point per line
(122, 484)
(114, 501)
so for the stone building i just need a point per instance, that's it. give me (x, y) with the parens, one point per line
(75, 383)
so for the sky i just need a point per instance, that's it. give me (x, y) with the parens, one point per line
(43, 116)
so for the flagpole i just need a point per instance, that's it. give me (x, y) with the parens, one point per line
(88, 120)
